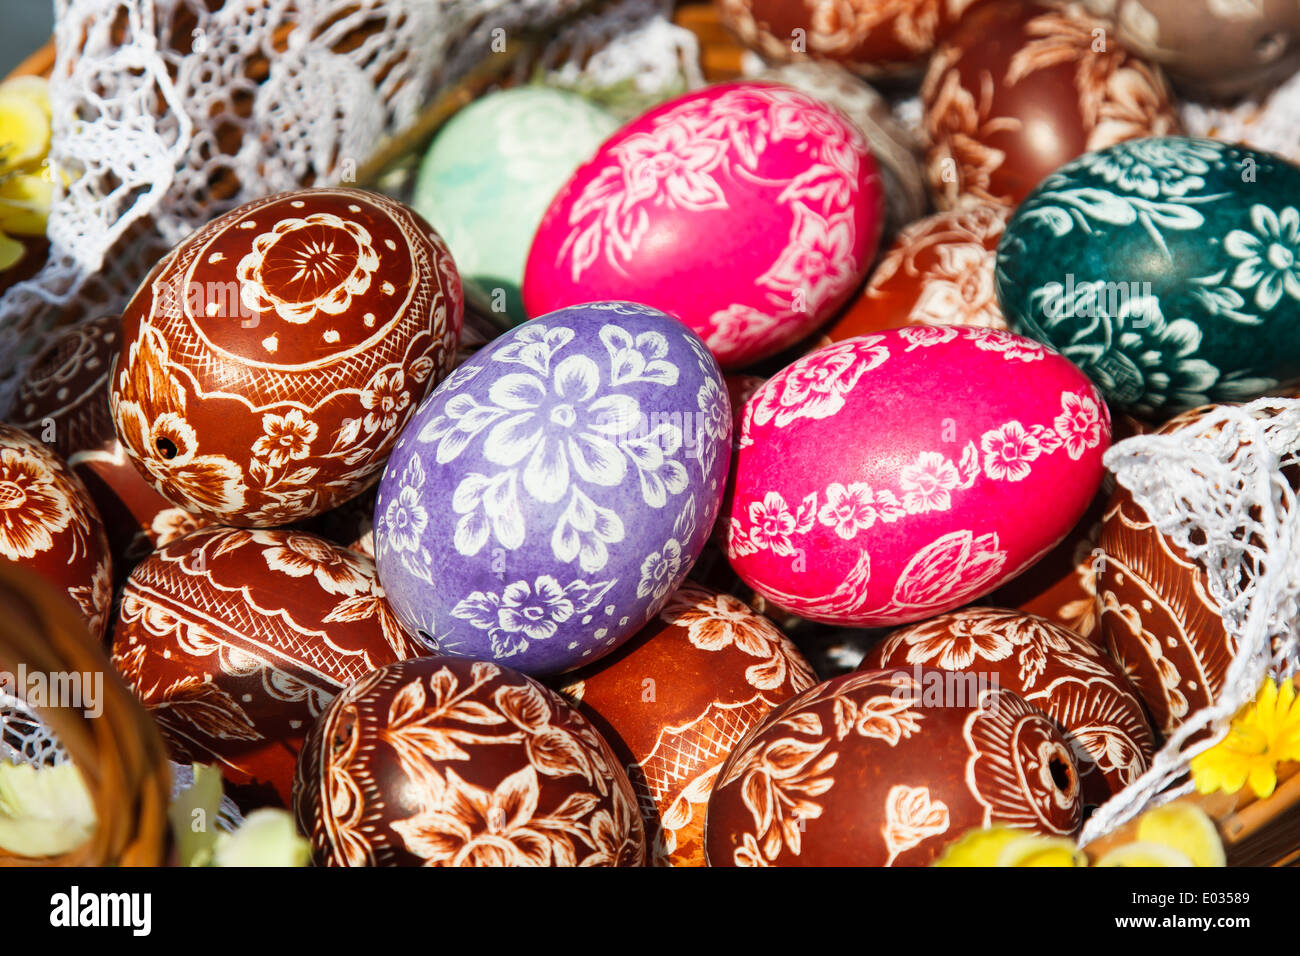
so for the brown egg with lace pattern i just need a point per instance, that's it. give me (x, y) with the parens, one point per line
(236, 640)
(269, 361)
(446, 761)
(677, 698)
(885, 768)
(48, 523)
(1016, 90)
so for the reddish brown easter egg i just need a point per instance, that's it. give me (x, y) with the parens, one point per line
(1052, 668)
(871, 37)
(1016, 90)
(48, 523)
(877, 768)
(1159, 617)
(450, 762)
(939, 271)
(237, 640)
(675, 700)
(268, 363)
(65, 394)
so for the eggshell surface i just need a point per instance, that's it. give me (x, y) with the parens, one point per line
(547, 499)
(889, 477)
(748, 211)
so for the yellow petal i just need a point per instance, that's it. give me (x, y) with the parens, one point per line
(11, 250)
(1263, 779)
(1144, 854)
(34, 88)
(25, 204)
(1184, 827)
(980, 847)
(24, 132)
(1034, 850)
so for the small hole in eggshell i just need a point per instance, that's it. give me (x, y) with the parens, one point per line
(167, 448)
(1270, 47)
(1061, 773)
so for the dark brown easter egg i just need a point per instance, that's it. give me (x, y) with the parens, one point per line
(237, 640)
(445, 761)
(871, 37)
(1159, 616)
(939, 271)
(269, 362)
(65, 397)
(675, 700)
(49, 524)
(1052, 668)
(878, 768)
(1016, 90)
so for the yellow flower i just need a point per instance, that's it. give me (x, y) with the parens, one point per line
(1263, 734)
(1006, 846)
(26, 181)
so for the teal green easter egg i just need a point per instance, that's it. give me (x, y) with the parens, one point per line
(1168, 269)
(489, 176)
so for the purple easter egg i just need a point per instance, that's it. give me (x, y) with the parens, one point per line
(552, 493)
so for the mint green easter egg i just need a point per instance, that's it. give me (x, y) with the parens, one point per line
(489, 176)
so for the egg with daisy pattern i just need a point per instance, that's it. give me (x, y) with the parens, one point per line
(551, 494)
(1168, 269)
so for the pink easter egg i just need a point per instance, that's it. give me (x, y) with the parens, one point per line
(749, 211)
(891, 477)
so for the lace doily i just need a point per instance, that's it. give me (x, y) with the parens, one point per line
(1216, 489)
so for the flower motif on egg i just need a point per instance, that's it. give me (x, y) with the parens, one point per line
(1270, 258)
(927, 483)
(300, 555)
(32, 507)
(304, 266)
(856, 508)
(526, 612)
(1155, 169)
(817, 386)
(287, 438)
(1008, 452)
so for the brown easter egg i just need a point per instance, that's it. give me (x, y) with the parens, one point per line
(268, 363)
(675, 700)
(1159, 617)
(48, 523)
(236, 641)
(1053, 669)
(939, 271)
(445, 761)
(65, 394)
(1016, 90)
(876, 768)
(871, 37)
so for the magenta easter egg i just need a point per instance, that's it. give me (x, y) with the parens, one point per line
(891, 477)
(749, 211)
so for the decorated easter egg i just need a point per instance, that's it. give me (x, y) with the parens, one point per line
(236, 640)
(65, 396)
(982, 450)
(939, 271)
(748, 211)
(268, 362)
(48, 523)
(871, 37)
(1052, 668)
(1208, 47)
(1167, 269)
(895, 147)
(885, 768)
(1159, 616)
(489, 176)
(448, 762)
(546, 500)
(676, 699)
(1015, 90)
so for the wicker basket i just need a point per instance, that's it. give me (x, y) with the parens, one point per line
(122, 756)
